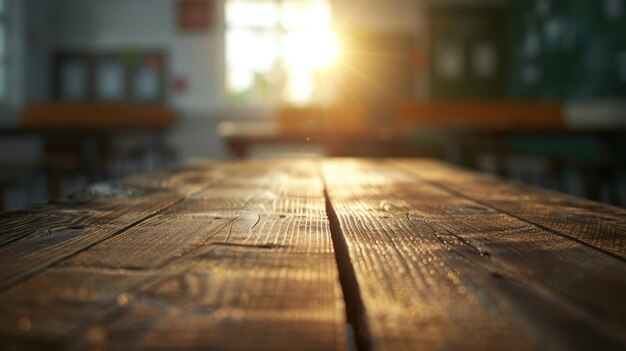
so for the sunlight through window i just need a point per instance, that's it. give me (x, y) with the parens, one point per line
(279, 51)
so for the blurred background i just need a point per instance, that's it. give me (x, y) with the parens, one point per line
(94, 90)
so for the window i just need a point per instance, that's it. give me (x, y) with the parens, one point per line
(279, 50)
(3, 50)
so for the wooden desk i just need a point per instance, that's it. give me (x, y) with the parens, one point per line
(331, 145)
(269, 255)
(79, 137)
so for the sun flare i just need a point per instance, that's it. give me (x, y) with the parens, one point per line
(311, 50)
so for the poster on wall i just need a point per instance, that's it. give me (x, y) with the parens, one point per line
(195, 15)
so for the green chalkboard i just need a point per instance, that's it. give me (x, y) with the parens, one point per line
(568, 49)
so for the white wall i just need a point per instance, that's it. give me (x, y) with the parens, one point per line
(377, 15)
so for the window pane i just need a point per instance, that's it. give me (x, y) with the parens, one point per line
(305, 14)
(241, 13)
(257, 50)
(300, 87)
(250, 54)
(2, 7)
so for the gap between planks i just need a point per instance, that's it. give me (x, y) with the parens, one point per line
(359, 339)
(347, 277)
(355, 309)
(115, 313)
(518, 296)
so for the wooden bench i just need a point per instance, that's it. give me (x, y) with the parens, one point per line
(328, 254)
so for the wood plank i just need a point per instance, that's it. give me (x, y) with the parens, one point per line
(43, 312)
(432, 271)
(58, 230)
(574, 273)
(252, 257)
(592, 223)
(238, 298)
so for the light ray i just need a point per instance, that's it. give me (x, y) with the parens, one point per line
(373, 82)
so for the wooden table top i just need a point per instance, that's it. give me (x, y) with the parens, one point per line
(328, 254)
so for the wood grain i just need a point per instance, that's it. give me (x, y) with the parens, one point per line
(597, 225)
(251, 257)
(574, 273)
(251, 254)
(438, 272)
(59, 230)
